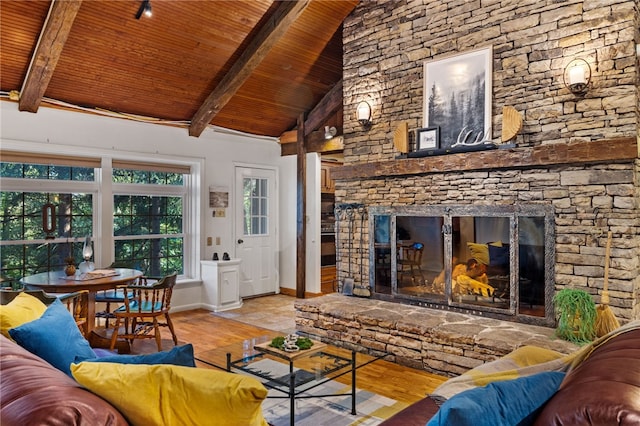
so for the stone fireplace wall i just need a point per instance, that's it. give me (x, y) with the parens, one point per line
(387, 42)
(385, 46)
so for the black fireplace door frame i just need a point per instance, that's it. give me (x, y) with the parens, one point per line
(523, 304)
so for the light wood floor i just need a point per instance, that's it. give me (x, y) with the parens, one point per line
(207, 330)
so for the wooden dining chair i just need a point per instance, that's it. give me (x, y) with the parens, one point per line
(410, 262)
(145, 310)
(112, 297)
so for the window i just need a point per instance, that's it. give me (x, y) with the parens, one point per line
(25, 246)
(148, 229)
(256, 211)
(148, 208)
(52, 172)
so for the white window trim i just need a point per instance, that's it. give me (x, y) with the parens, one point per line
(103, 190)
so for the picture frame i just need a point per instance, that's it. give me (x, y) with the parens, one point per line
(458, 94)
(218, 196)
(428, 138)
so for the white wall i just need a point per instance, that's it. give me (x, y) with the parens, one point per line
(288, 239)
(312, 278)
(55, 130)
(287, 231)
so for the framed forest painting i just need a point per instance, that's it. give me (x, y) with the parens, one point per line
(457, 96)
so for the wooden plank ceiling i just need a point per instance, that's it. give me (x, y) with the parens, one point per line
(253, 66)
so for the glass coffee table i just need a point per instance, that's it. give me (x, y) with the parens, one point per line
(291, 374)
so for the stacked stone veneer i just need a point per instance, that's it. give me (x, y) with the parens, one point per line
(387, 42)
(385, 46)
(437, 341)
(588, 201)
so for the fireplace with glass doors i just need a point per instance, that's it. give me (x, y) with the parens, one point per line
(421, 256)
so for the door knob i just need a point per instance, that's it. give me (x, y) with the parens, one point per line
(240, 241)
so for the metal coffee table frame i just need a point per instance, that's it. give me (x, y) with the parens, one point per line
(292, 385)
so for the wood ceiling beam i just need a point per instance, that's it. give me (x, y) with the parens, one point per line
(54, 35)
(301, 211)
(328, 105)
(319, 115)
(256, 51)
(315, 143)
(290, 136)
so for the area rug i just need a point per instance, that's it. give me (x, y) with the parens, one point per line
(371, 409)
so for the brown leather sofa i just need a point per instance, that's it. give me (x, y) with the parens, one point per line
(603, 390)
(32, 392)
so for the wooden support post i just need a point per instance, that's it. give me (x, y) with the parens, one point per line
(301, 211)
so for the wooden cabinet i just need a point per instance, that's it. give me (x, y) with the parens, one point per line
(221, 284)
(328, 280)
(326, 183)
(327, 230)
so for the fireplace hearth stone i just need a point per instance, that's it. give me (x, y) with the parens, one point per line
(435, 340)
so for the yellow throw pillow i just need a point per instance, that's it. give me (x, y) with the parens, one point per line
(528, 355)
(480, 252)
(175, 395)
(23, 309)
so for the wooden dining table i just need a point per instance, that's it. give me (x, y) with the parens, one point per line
(93, 282)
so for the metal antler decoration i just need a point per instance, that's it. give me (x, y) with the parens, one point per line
(481, 138)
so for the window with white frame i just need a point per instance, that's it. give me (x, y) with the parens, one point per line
(152, 206)
(255, 200)
(148, 211)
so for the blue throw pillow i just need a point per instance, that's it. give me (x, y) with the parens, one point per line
(54, 337)
(509, 402)
(180, 355)
(101, 352)
(499, 256)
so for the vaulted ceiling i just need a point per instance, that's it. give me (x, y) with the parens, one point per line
(253, 66)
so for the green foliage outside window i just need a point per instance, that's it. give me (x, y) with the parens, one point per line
(255, 195)
(147, 216)
(147, 177)
(24, 250)
(156, 220)
(48, 172)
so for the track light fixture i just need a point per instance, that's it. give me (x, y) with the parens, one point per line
(329, 132)
(145, 8)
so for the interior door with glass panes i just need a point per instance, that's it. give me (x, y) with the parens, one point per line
(255, 230)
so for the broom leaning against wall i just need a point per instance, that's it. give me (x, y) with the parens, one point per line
(606, 322)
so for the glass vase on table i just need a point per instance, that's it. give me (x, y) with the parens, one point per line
(87, 252)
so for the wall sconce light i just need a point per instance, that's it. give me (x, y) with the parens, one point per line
(363, 114)
(577, 76)
(329, 132)
(145, 8)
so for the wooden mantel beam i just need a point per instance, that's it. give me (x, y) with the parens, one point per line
(606, 150)
(55, 32)
(256, 51)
